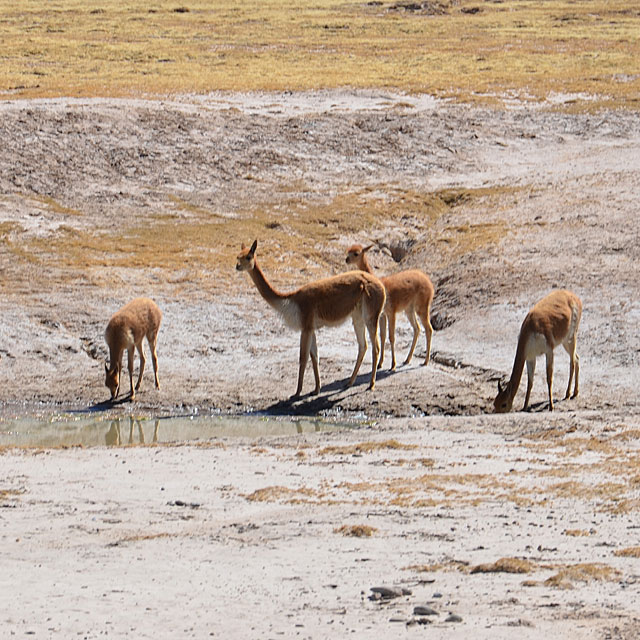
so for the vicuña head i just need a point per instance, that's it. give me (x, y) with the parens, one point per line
(126, 330)
(326, 302)
(552, 321)
(410, 291)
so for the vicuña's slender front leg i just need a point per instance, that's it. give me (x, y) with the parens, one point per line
(375, 349)
(142, 363)
(308, 347)
(358, 326)
(314, 361)
(383, 338)
(550, 378)
(305, 347)
(130, 353)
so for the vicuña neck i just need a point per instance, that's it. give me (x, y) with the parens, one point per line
(115, 357)
(270, 294)
(518, 368)
(364, 264)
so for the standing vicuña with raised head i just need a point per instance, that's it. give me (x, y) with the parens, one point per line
(552, 321)
(409, 291)
(126, 330)
(324, 303)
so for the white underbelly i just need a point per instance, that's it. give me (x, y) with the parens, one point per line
(536, 345)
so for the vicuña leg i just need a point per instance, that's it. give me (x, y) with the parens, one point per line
(411, 316)
(142, 363)
(375, 349)
(392, 339)
(531, 369)
(313, 350)
(574, 368)
(153, 340)
(308, 346)
(428, 329)
(550, 378)
(130, 352)
(358, 327)
(383, 338)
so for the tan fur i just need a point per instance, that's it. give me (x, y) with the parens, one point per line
(552, 321)
(126, 330)
(326, 302)
(409, 291)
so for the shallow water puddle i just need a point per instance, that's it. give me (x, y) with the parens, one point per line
(91, 432)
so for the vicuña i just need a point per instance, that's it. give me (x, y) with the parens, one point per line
(552, 321)
(327, 302)
(409, 291)
(126, 329)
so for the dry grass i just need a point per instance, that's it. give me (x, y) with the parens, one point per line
(587, 572)
(472, 50)
(356, 530)
(301, 232)
(450, 565)
(578, 533)
(8, 494)
(505, 565)
(275, 493)
(365, 447)
(629, 552)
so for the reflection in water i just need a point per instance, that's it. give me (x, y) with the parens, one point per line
(89, 431)
(113, 437)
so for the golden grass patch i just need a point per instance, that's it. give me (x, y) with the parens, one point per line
(7, 494)
(449, 565)
(365, 447)
(578, 533)
(505, 565)
(587, 572)
(468, 50)
(356, 530)
(629, 552)
(302, 232)
(275, 493)
(574, 489)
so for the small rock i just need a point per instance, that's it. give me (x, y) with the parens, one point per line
(453, 617)
(424, 611)
(388, 593)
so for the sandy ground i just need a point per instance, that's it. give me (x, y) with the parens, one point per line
(522, 524)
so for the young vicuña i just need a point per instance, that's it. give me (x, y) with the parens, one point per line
(326, 302)
(409, 291)
(126, 329)
(552, 321)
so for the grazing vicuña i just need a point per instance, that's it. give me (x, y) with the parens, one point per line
(552, 321)
(126, 330)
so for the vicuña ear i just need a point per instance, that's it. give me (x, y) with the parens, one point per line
(254, 246)
(365, 249)
(501, 386)
(243, 246)
(106, 368)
